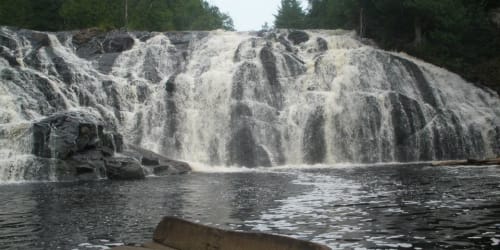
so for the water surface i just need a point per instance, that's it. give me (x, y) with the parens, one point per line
(383, 207)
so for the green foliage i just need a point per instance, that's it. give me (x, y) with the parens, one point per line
(456, 34)
(152, 15)
(290, 15)
(23, 13)
(79, 14)
(326, 14)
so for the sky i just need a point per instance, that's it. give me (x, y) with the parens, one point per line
(249, 14)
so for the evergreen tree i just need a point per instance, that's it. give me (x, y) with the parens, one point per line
(157, 15)
(327, 14)
(456, 34)
(290, 15)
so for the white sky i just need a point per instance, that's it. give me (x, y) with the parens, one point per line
(249, 14)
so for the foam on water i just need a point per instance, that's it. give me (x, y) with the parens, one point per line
(247, 99)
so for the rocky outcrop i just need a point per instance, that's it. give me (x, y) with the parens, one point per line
(124, 168)
(298, 37)
(174, 233)
(77, 146)
(65, 134)
(158, 164)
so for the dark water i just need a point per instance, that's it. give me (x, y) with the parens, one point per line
(383, 207)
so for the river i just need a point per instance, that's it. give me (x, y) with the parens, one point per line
(343, 206)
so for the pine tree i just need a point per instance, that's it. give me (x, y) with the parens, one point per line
(290, 15)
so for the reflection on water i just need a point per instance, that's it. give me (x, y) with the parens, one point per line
(352, 207)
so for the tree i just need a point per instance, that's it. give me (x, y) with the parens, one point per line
(79, 14)
(157, 15)
(290, 15)
(265, 27)
(333, 14)
(16, 12)
(153, 15)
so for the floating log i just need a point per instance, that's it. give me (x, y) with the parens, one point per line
(469, 162)
(177, 234)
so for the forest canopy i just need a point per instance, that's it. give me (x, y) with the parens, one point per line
(150, 15)
(457, 34)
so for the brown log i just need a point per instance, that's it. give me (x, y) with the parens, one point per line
(177, 234)
(468, 162)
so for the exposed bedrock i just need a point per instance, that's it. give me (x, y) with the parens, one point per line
(116, 101)
(158, 164)
(79, 147)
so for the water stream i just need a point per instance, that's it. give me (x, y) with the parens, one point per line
(343, 206)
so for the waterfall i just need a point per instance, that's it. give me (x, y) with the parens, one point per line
(245, 98)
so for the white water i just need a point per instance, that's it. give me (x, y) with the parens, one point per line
(351, 103)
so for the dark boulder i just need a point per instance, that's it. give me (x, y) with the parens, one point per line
(7, 41)
(93, 44)
(158, 164)
(118, 43)
(63, 70)
(322, 44)
(243, 150)
(163, 170)
(38, 39)
(314, 143)
(111, 143)
(84, 36)
(298, 37)
(76, 143)
(269, 61)
(11, 59)
(88, 165)
(65, 134)
(124, 168)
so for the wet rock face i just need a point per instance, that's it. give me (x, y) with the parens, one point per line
(322, 44)
(268, 60)
(64, 134)
(93, 43)
(158, 164)
(124, 168)
(314, 138)
(118, 43)
(81, 149)
(11, 59)
(298, 37)
(244, 151)
(84, 36)
(274, 98)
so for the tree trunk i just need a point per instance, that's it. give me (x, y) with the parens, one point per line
(418, 32)
(126, 14)
(361, 23)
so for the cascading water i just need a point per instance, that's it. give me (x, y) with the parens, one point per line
(247, 99)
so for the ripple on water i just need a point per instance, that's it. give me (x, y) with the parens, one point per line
(357, 207)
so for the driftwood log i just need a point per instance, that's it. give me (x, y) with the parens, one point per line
(469, 162)
(177, 234)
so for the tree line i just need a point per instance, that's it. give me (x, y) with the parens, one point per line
(456, 34)
(150, 15)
